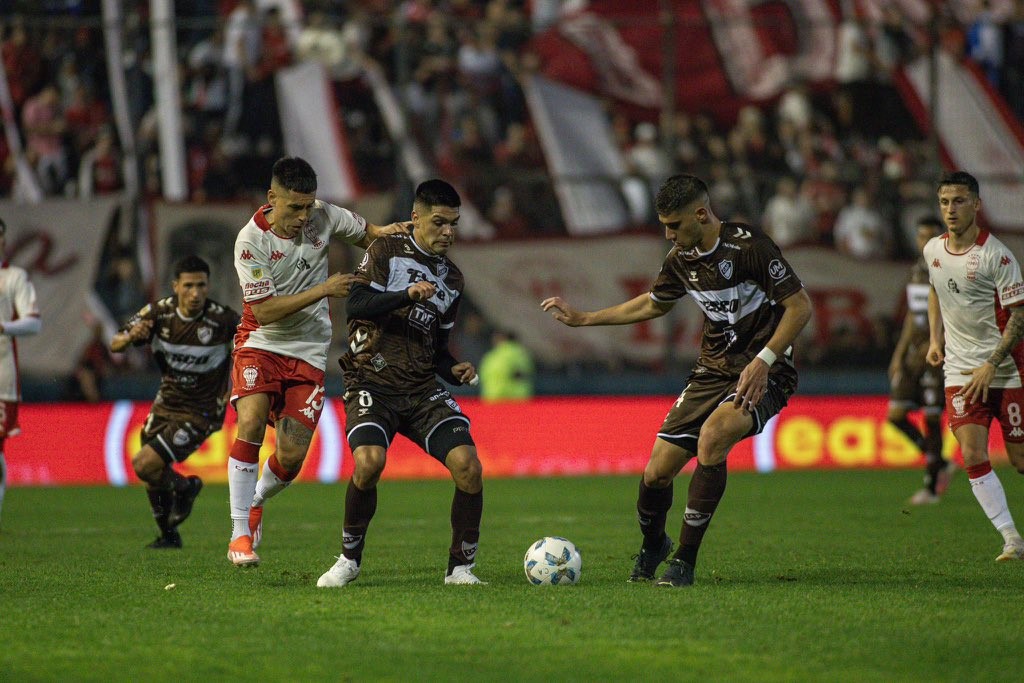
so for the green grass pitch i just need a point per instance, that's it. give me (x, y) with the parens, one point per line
(804, 576)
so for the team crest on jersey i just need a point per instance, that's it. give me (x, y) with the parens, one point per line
(776, 269)
(442, 269)
(180, 437)
(205, 334)
(249, 374)
(959, 403)
(453, 405)
(725, 268)
(973, 263)
(310, 232)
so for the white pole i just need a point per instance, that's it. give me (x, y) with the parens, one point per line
(113, 25)
(168, 100)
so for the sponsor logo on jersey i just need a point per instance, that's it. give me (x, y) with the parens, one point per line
(725, 268)
(378, 363)
(1011, 291)
(776, 269)
(1017, 432)
(936, 264)
(730, 306)
(252, 289)
(973, 263)
(303, 264)
(205, 334)
(276, 255)
(249, 374)
(1004, 261)
(951, 286)
(246, 255)
(693, 276)
(422, 317)
(443, 393)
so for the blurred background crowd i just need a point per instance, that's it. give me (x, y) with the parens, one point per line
(845, 167)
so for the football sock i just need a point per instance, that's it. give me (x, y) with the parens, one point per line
(3, 479)
(243, 461)
(467, 509)
(990, 494)
(652, 506)
(707, 486)
(360, 506)
(933, 452)
(274, 479)
(160, 499)
(912, 432)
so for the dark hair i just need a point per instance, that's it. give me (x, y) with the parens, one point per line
(437, 192)
(677, 192)
(295, 174)
(190, 264)
(930, 222)
(961, 178)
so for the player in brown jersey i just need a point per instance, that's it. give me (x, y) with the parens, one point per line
(190, 336)
(916, 385)
(401, 311)
(754, 307)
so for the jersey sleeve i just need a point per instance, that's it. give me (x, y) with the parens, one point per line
(374, 270)
(147, 312)
(345, 224)
(1007, 276)
(252, 264)
(25, 304)
(668, 285)
(769, 269)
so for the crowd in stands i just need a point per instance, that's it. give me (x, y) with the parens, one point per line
(842, 166)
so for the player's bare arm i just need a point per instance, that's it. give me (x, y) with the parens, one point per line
(281, 306)
(375, 231)
(936, 339)
(137, 332)
(902, 344)
(636, 310)
(977, 386)
(753, 381)
(464, 372)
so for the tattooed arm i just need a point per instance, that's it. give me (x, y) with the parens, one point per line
(977, 386)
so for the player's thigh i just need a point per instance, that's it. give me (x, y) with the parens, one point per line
(371, 419)
(970, 423)
(666, 460)
(252, 410)
(437, 424)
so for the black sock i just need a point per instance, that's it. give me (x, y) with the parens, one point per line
(652, 506)
(912, 432)
(707, 486)
(467, 510)
(360, 507)
(160, 502)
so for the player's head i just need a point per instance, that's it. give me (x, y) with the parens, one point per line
(684, 209)
(291, 196)
(435, 215)
(191, 284)
(927, 228)
(959, 201)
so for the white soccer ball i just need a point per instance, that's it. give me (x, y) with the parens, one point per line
(553, 561)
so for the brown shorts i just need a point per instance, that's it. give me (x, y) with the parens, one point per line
(295, 388)
(175, 435)
(919, 390)
(373, 417)
(1003, 405)
(703, 394)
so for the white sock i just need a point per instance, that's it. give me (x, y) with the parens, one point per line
(268, 486)
(992, 498)
(3, 479)
(242, 487)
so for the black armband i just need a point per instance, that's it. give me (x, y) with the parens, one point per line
(366, 302)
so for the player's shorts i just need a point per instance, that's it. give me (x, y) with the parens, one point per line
(1003, 405)
(295, 388)
(374, 417)
(9, 419)
(920, 390)
(176, 435)
(703, 394)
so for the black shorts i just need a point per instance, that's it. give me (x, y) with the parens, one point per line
(177, 435)
(415, 416)
(703, 394)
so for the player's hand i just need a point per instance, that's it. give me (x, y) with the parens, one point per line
(561, 311)
(752, 385)
(140, 330)
(397, 228)
(977, 385)
(339, 284)
(464, 372)
(421, 291)
(935, 355)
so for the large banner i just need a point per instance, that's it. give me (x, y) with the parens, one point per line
(608, 435)
(59, 243)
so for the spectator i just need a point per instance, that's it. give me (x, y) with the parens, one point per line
(788, 216)
(44, 127)
(99, 171)
(646, 157)
(860, 229)
(22, 63)
(507, 370)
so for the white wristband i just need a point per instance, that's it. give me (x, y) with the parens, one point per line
(767, 355)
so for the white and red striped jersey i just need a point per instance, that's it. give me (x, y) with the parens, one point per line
(17, 301)
(270, 265)
(975, 289)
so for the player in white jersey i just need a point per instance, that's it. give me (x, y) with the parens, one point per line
(281, 346)
(976, 323)
(19, 315)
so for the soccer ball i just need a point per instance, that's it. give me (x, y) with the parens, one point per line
(553, 561)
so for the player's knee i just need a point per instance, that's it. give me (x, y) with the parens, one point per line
(369, 465)
(466, 468)
(148, 465)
